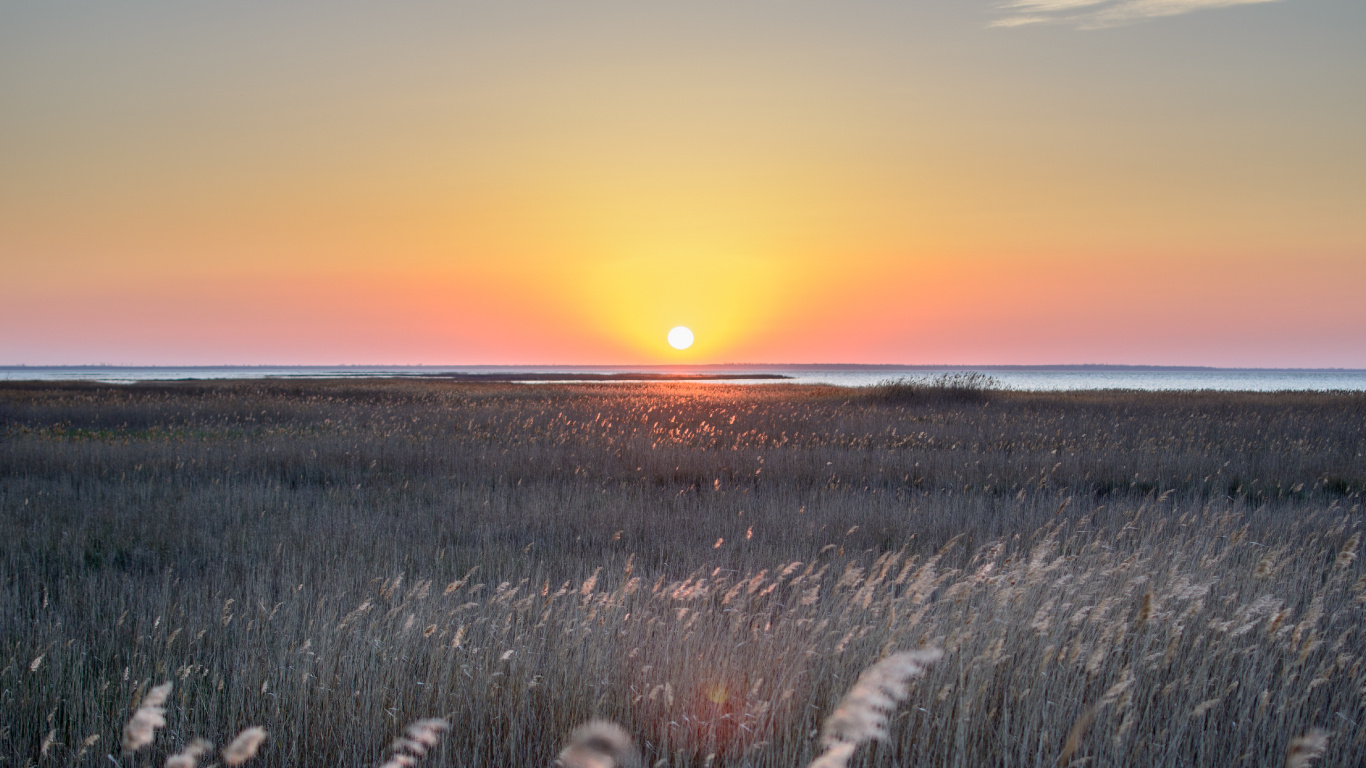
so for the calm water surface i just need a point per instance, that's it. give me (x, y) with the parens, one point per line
(1023, 378)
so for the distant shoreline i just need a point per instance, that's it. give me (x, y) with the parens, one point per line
(1056, 377)
(591, 377)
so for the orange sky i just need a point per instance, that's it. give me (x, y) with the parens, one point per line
(531, 183)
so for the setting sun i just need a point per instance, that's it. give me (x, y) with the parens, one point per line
(680, 337)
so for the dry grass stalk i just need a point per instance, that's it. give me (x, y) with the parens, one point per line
(189, 756)
(1306, 749)
(243, 748)
(151, 715)
(862, 714)
(600, 744)
(1078, 730)
(1074, 736)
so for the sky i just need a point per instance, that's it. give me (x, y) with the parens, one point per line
(1163, 182)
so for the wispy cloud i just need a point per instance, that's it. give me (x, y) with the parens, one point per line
(1099, 14)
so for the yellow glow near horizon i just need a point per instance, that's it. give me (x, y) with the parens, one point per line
(728, 301)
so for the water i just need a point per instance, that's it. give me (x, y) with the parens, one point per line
(1012, 377)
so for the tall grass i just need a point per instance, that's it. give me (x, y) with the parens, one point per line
(1114, 578)
(950, 387)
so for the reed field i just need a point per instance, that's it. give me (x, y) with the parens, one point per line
(1113, 578)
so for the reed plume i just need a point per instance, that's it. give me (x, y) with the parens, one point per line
(600, 744)
(835, 756)
(416, 741)
(862, 714)
(1306, 749)
(151, 715)
(1349, 551)
(1076, 733)
(89, 742)
(189, 756)
(243, 748)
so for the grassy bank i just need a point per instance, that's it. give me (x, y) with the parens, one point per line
(1167, 578)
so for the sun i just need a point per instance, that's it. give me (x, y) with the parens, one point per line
(680, 337)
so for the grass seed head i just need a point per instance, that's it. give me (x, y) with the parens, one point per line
(243, 748)
(150, 716)
(189, 756)
(1349, 551)
(863, 713)
(1306, 749)
(600, 744)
